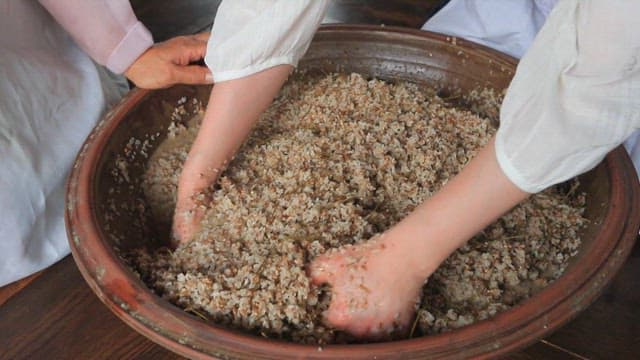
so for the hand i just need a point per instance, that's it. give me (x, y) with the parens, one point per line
(186, 220)
(234, 106)
(374, 293)
(193, 197)
(168, 63)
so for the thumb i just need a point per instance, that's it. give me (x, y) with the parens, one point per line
(193, 48)
(320, 271)
(192, 75)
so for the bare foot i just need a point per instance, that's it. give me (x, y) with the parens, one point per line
(374, 293)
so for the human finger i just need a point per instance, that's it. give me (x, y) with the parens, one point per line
(182, 50)
(181, 227)
(194, 48)
(321, 270)
(338, 315)
(191, 74)
(184, 227)
(361, 329)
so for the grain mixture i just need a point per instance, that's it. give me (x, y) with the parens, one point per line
(335, 160)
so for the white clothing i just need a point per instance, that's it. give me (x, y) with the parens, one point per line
(576, 94)
(508, 26)
(632, 144)
(107, 30)
(51, 95)
(249, 36)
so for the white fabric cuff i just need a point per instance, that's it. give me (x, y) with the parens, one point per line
(511, 172)
(249, 36)
(254, 68)
(137, 40)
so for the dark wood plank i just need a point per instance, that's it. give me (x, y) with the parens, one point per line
(609, 328)
(543, 350)
(58, 317)
(7, 291)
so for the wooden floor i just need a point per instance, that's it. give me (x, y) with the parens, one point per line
(54, 315)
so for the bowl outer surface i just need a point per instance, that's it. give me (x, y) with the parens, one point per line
(387, 53)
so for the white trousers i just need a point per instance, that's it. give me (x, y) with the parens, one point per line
(51, 96)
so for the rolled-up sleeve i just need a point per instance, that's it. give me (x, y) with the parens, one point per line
(249, 36)
(575, 95)
(106, 30)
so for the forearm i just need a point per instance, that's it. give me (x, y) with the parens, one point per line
(233, 109)
(469, 202)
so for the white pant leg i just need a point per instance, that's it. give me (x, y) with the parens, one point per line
(505, 25)
(633, 148)
(51, 95)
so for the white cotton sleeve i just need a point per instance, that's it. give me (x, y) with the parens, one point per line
(575, 95)
(107, 30)
(249, 36)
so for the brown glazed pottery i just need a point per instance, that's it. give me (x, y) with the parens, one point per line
(97, 233)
